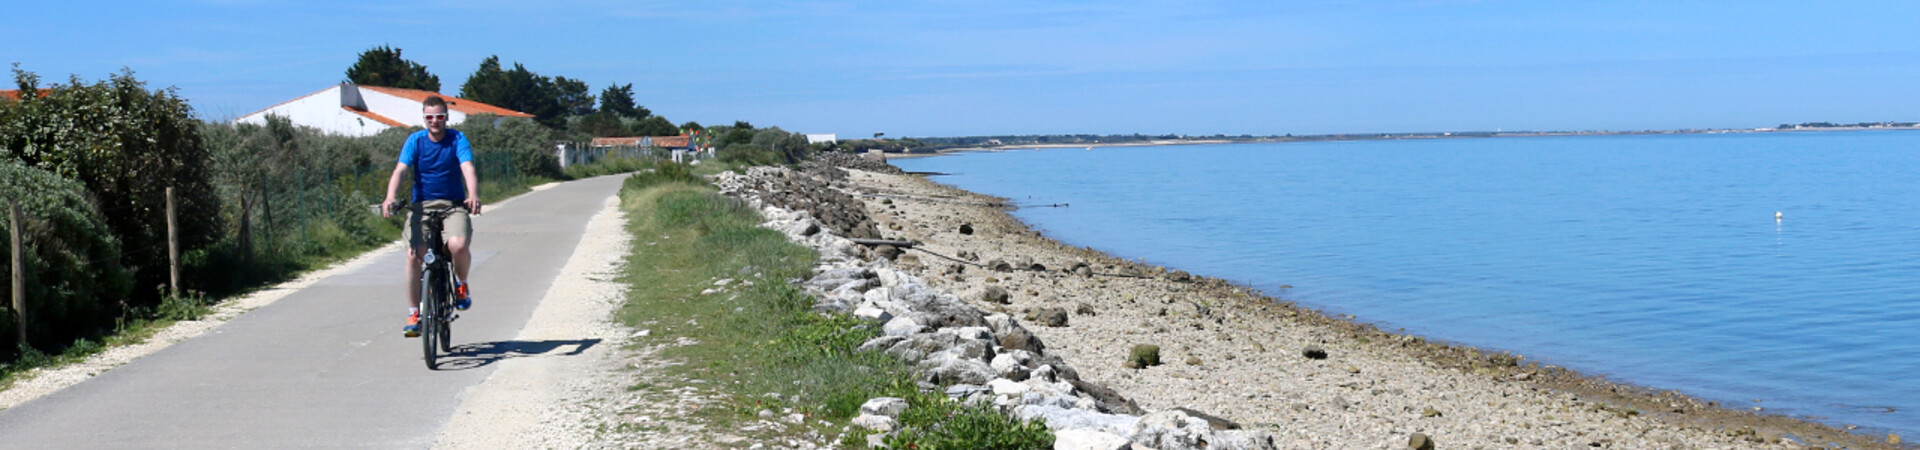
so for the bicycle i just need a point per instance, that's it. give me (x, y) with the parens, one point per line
(437, 281)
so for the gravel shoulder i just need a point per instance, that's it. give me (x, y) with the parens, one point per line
(1237, 354)
(546, 396)
(571, 388)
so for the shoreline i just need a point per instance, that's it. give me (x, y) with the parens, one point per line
(1391, 136)
(1231, 336)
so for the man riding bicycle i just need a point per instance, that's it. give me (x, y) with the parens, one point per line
(443, 178)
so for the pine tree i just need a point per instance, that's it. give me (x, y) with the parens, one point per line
(383, 66)
(618, 99)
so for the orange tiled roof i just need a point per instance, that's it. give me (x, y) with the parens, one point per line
(14, 94)
(454, 103)
(376, 117)
(670, 141)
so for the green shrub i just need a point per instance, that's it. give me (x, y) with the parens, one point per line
(749, 155)
(932, 422)
(127, 145)
(663, 172)
(74, 277)
(527, 144)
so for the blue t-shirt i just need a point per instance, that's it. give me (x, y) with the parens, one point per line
(436, 165)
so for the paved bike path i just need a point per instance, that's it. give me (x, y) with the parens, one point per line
(326, 366)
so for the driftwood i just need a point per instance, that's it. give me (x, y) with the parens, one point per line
(900, 244)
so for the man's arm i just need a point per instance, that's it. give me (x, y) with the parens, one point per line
(393, 184)
(473, 186)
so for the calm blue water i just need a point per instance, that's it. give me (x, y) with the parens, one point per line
(1653, 260)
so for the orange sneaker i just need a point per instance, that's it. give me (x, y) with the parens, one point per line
(460, 299)
(413, 325)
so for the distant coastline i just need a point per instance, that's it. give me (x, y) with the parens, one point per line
(1206, 140)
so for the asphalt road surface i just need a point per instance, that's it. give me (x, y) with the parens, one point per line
(327, 366)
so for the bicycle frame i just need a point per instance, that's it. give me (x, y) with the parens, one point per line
(437, 280)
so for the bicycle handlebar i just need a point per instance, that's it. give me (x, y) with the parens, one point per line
(406, 204)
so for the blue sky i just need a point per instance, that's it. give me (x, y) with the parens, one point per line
(950, 68)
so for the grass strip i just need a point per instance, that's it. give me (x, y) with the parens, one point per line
(703, 271)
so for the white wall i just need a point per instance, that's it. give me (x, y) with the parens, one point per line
(322, 110)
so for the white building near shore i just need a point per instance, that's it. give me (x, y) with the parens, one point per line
(355, 110)
(819, 138)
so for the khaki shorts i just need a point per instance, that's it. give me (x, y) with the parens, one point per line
(456, 223)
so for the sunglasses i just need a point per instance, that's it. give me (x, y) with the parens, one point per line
(436, 117)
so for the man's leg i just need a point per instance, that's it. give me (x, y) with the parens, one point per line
(413, 278)
(463, 295)
(413, 293)
(461, 258)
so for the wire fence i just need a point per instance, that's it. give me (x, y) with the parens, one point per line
(583, 153)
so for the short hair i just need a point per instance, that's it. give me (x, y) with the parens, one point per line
(432, 101)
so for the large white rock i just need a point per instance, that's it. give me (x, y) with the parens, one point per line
(1089, 440)
(961, 371)
(875, 422)
(869, 312)
(1002, 386)
(1069, 419)
(1172, 430)
(1045, 373)
(970, 333)
(1033, 397)
(884, 406)
(1008, 360)
(879, 295)
(902, 326)
(1175, 430)
(1000, 323)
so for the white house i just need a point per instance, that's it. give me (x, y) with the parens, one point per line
(355, 110)
(818, 138)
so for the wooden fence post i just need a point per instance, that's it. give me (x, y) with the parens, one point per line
(19, 274)
(173, 245)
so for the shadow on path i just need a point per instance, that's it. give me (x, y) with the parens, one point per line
(480, 354)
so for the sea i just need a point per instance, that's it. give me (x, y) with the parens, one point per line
(1771, 270)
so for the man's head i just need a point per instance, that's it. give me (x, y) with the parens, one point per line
(434, 111)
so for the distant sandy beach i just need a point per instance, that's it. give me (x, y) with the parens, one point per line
(1040, 146)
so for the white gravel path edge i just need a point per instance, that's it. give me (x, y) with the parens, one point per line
(550, 400)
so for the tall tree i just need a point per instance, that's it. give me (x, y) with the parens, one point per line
(656, 126)
(618, 99)
(383, 66)
(604, 124)
(573, 96)
(518, 89)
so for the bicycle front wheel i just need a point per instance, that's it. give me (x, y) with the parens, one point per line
(443, 322)
(429, 320)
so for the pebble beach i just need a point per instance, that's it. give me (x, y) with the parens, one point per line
(1308, 379)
